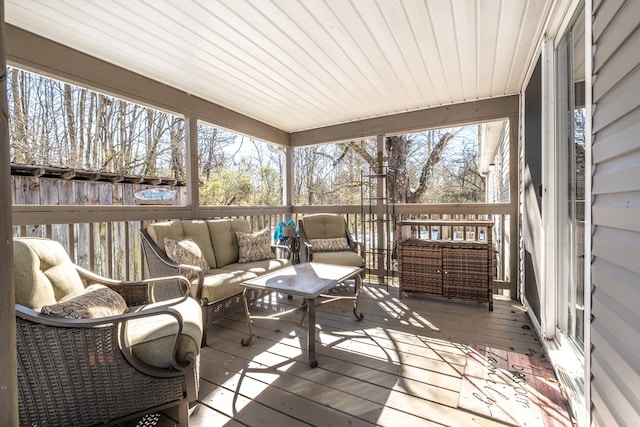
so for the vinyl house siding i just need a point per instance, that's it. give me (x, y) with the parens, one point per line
(615, 320)
(498, 191)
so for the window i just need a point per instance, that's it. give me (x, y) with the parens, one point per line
(238, 170)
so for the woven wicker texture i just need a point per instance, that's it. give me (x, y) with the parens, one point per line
(79, 377)
(159, 265)
(465, 273)
(421, 268)
(453, 269)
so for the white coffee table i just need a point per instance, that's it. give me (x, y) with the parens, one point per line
(310, 281)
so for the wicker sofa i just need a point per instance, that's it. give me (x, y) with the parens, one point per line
(216, 284)
(93, 350)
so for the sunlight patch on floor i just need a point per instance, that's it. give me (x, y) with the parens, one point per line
(407, 317)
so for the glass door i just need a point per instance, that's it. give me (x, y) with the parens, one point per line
(571, 186)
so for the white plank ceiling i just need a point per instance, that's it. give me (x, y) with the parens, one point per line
(304, 64)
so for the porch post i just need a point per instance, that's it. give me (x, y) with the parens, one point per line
(379, 214)
(193, 190)
(287, 184)
(514, 197)
(8, 360)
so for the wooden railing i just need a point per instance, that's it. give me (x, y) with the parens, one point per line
(105, 238)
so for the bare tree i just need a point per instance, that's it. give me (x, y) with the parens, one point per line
(19, 116)
(214, 149)
(462, 181)
(176, 136)
(56, 124)
(71, 126)
(400, 149)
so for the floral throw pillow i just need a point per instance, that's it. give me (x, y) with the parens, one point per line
(330, 245)
(185, 252)
(94, 302)
(254, 246)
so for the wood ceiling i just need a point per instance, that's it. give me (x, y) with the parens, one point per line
(298, 65)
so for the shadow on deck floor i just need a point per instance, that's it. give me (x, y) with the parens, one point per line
(401, 365)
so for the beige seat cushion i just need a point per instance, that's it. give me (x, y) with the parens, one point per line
(221, 283)
(152, 338)
(258, 267)
(43, 272)
(339, 258)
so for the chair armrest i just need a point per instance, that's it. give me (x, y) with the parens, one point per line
(160, 265)
(309, 250)
(158, 262)
(134, 292)
(184, 270)
(358, 246)
(286, 249)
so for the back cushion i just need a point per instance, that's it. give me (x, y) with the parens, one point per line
(324, 226)
(168, 229)
(223, 238)
(198, 231)
(43, 272)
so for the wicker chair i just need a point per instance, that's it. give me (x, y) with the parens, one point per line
(325, 238)
(98, 370)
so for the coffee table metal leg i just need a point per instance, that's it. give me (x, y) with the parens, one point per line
(304, 309)
(247, 316)
(311, 332)
(358, 287)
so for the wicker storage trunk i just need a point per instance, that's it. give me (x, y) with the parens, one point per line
(452, 269)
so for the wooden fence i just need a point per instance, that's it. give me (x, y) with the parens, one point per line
(97, 220)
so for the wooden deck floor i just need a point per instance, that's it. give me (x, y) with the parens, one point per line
(400, 366)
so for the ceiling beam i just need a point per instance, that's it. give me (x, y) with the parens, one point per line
(35, 53)
(412, 121)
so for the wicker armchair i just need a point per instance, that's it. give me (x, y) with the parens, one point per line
(98, 370)
(326, 238)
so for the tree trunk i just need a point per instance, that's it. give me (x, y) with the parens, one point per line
(82, 118)
(71, 127)
(427, 169)
(19, 123)
(397, 149)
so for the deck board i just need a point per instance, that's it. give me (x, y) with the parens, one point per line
(401, 365)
